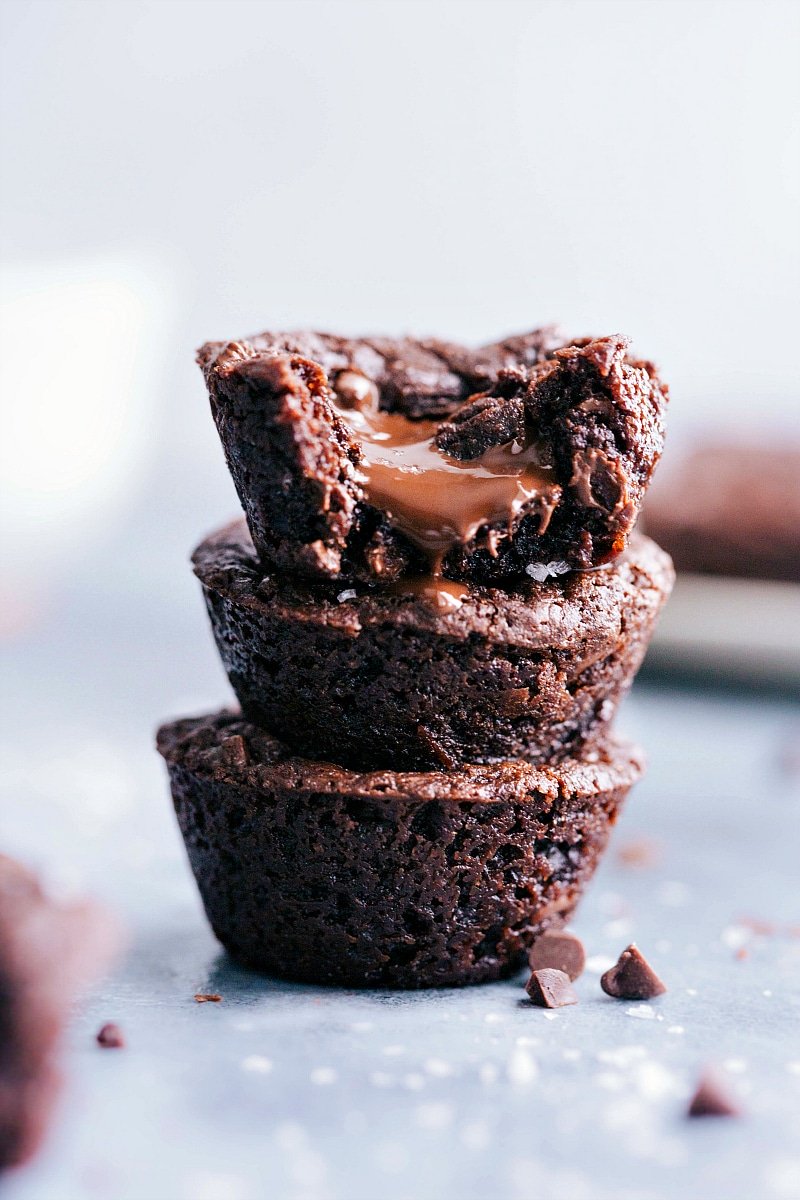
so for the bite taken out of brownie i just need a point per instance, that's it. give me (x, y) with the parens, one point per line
(314, 872)
(376, 679)
(49, 952)
(368, 459)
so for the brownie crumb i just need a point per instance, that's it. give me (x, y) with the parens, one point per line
(207, 998)
(632, 977)
(559, 951)
(549, 988)
(758, 926)
(639, 854)
(110, 1036)
(711, 1100)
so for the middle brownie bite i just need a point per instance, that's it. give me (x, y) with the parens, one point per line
(388, 679)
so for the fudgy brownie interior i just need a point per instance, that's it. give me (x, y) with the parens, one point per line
(370, 459)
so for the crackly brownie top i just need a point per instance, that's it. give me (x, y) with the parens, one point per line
(224, 748)
(376, 458)
(418, 377)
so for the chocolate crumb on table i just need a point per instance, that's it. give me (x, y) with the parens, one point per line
(110, 1036)
(559, 950)
(549, 988)
(371, 458)
(639, 853)
(632, 977)
(711, 1099)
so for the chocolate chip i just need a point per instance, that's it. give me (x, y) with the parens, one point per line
(354, 390)
(559, 951)
(233, 751)
(550, 989)
(711, 1100)
(207, 998)
(632, 978)
(233, 353)
(110, 1036)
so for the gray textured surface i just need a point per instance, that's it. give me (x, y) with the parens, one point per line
(298, 1093)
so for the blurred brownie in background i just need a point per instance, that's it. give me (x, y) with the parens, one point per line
(730, 508)
(50, 952)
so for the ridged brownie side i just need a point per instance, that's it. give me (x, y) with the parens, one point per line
(385, 879)
(377, 681)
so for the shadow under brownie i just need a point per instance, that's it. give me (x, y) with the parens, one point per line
(371, 679)
(413, 880)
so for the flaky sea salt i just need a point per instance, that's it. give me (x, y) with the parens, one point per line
(521, 1069)
(437, 1067)
(323, 1076)
(257, 1063)
(543, 571)
(643, 1011)
(434, 1116)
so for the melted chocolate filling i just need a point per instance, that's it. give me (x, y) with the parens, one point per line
(435, 500)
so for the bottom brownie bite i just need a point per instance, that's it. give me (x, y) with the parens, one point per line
(322, 874)
(49, 952)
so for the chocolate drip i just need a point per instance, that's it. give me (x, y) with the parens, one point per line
(438, 501)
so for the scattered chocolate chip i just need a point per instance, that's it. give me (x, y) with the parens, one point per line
(558, 951)
(711, 1100)
(632, 977)
(207, 998)
(110, 1036)
(354, 390)
(549, 988)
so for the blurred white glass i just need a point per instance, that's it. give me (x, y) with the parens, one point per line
(80, 343)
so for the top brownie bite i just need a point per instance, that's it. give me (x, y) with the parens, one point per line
(369, 459)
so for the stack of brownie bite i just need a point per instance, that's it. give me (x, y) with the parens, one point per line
(429, 618)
